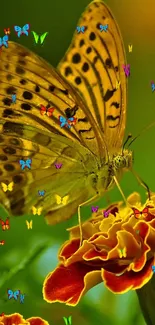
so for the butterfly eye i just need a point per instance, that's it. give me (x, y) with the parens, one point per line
(119, 162)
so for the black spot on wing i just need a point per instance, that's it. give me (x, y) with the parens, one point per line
(109, 93)
(113, 119)
(115, 104)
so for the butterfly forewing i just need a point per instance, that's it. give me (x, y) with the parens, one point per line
(97, 107)
(93, 65)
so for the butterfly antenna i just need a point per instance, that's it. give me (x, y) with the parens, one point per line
(126, 141)
(138, 135)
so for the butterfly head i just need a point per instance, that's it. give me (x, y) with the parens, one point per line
(123, 161)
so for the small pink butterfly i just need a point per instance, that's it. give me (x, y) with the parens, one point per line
(58, 166)
(94, 209)
(106, 213)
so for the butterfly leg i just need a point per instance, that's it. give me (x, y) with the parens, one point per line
(142, 183)
(91, 200)
(118, 186)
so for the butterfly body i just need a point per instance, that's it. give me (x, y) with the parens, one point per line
(41, 193)
(89, 142)
(22, 30)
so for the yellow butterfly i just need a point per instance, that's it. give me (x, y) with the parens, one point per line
(92, 151)
(122, 252)
(118, 84)
(130, 48)
(29, 224)
(37, 210)
(8, 187)
(61, 200)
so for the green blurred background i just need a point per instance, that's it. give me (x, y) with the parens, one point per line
(29, 255)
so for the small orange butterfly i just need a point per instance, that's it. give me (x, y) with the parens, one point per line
(46, 111)
(139, 214)
(2, 242)
(5, 224)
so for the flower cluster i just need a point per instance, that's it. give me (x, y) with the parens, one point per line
(117, 249)
(17, 319)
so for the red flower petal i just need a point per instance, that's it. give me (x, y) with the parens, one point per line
(15, 319)
(37, 321)
(129, 280)
(68, 284)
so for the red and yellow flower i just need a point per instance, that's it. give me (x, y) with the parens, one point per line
(118, 250)
(17, 319)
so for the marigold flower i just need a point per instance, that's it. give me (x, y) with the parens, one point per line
(117, 249)
(17, 319)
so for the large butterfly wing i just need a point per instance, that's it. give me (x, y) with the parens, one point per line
(35, 82)
(93, 65)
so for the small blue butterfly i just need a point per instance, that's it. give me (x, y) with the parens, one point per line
(80, 29)
(153, 85)
(41, 193)
(103, 28)
(65, 122)
(22, 30)
(13, 99)
(26, 163)
(13, 294)
(22, 297)
(4, 41)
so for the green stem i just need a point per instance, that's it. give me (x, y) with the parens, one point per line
(34, 253)
(146, 296)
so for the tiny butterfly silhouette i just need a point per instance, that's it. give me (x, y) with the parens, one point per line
(13, 294)
(58, 166)
(22, 30)
(22, 297)
(126, 69)
(29, 224)
(61, 200)
(153, 86)
(4, 41)
(103, 27)
(80, 29)
(106, 213)
(67, 122)
(7, 31)
(37, 211)
(7, 187)
(25, 163)
(139, 214)
(130, 48)
(68, 320)
(5, 224)
(39, 37)
(46, 111)
(41, 193)
(13, 97)
(94, 209)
